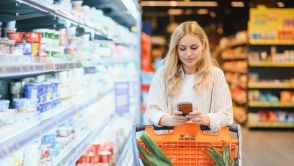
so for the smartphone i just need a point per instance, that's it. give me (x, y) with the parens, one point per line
(185, 108)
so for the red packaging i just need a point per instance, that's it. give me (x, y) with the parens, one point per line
(16, 36)
(33, 37)
(96, 148)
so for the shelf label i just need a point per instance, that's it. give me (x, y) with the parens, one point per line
(122, 97)
(40, 132)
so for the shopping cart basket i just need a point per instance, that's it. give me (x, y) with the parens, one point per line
(187, 144)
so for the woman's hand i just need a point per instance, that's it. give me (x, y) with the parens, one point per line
(174, 120)
(198, 117)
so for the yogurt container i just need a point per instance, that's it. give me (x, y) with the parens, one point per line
(36, 92)
(25, 104)
(4, 104)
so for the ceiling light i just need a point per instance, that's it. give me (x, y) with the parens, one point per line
(173, 3)
(237, 4)
(175, 11)
(180, 3)
(280, 4)
(202, 11)
(212, 14)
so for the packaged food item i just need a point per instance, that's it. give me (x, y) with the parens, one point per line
(25, 104)
(23, 48)
(282, 116)
(4, 104)
(33, 37)
(286, 96)
(35, 92)
(16, 88)
(6, 46)
(16, 36)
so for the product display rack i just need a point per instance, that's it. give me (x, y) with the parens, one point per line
(83, 145)
(270, 70)
(125, 158)
(57, 17)
(44, 8)
(19, 139)
(239, 105)
(7, 71)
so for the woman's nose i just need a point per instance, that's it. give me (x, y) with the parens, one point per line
(189, 52)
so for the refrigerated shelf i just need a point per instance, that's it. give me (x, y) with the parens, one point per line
(13, 70)
(124, 155)
(82, 145)
(19, 139)
(49, 8)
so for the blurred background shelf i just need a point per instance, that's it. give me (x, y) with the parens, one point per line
(271, 86)
(271, 125)
(271, 64)
(269, 104)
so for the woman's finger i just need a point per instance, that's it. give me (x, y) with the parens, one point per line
(176, 112)
(195, 113)
(180, 118)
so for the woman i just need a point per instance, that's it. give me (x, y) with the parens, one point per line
(189, 76)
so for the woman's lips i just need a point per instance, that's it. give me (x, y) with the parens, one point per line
(190, 59)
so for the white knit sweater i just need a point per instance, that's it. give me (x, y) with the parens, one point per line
(217, 105)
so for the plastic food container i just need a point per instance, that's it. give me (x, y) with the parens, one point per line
(25, 104)
(16, 36)
(35, 92)
(33, 37)
(4, 104)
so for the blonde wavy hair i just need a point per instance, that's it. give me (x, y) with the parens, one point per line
(172, 63)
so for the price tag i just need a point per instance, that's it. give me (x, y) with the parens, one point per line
(75, 108)
(40, 132)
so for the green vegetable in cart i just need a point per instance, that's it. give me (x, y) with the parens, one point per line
(155, 157)
(225, 159)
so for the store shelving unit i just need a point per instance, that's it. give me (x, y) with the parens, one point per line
(44, 8)
(55, 17)
(13, 142)
(13, 70)
(82, 145)
(239, 115)
(270, 104)
(270, 70)
(124, 158)
(271, 125)
(270, 86)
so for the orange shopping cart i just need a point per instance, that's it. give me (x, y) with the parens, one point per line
(187, 144)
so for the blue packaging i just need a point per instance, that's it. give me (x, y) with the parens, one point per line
(25, 104)
(55, 90)
(34, 91)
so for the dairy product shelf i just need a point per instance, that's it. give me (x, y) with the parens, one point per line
(127, 149)
(19, 139)
(82, 145)
(12, 70)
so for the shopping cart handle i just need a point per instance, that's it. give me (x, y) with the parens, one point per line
(142, 127)
(233, 128)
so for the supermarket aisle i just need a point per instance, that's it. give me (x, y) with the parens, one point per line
(267, 148)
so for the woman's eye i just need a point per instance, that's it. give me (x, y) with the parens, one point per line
(194, 48)
(182, 49)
